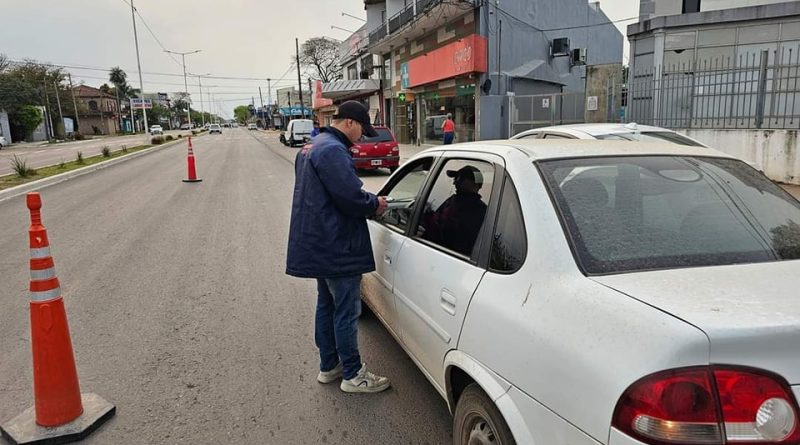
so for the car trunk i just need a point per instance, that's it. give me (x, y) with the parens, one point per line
(750, 313)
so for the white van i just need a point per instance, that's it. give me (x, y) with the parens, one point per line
(297, 131)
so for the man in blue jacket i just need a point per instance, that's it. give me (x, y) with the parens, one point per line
(329, 241)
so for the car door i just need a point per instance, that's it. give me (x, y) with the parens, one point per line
(388, 233)
(437, 269)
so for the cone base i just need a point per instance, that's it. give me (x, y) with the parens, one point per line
(24, 430)
(192, 180)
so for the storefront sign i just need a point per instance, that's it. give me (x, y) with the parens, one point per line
(137, 104)
(591, 103)
(466, 55)
(317, 101)
(404, 80)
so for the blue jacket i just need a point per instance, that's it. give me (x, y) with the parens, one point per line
(328, 235)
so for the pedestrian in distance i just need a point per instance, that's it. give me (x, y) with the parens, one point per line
(449, 129)
(315, 130)
(329, 241)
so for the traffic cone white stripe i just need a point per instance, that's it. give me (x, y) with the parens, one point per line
(40, 253)
(43, 274)
(46, 295)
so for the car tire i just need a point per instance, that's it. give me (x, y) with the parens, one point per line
(393, 169)
(477, 420)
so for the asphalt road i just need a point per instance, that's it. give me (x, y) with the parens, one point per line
(181, 313)
(38, 155)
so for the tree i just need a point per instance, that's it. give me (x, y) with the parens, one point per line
(319, 57)
(27, 117)
(241, 113)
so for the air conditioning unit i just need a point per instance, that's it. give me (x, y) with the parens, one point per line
(578, 56)
(559, 47)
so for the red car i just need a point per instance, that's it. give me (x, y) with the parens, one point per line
(382, 151)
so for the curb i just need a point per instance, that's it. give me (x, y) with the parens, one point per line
(59, 178)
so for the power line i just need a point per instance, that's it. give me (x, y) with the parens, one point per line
(151, 31)
(531, 25)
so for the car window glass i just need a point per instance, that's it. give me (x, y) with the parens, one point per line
(531, 136)
(660, 212)
(510, 241)
(455, 209)
(384, 135)
(402, 195)
(556, 136)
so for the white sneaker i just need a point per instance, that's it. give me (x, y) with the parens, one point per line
(330, 376)
(365, 381)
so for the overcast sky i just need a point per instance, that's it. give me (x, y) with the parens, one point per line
(238, 38)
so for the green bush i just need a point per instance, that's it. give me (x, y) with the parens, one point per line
(170, 138)
(106, 151)
(79, 159)
(124, 148)
(157, 140)
(194, 132)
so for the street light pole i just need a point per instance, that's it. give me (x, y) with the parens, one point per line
(139, 64)
(200, 87)
(185, 82)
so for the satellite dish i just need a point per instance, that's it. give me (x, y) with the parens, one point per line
(487, 86)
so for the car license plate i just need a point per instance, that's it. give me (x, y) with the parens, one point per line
(377, 162)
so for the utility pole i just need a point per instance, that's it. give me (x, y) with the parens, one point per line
(299, 83)
(269, 92)
(185, 83)
(139, 64)
(51, 133)
(58, 101)
(200, 87)
(311, 99)
(262, 107)
(75, 105)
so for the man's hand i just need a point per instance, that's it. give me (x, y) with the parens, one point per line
(382, 205)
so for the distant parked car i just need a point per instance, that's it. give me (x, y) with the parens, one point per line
(234, 125)
(156, 129)
(214, 128)
(297, 132)
(252, 127)
(3, 142)
(617, 132)
(186, 127)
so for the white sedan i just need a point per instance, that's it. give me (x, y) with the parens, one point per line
(614, 132)
(595, 292)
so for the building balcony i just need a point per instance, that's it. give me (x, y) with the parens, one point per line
(424, 15)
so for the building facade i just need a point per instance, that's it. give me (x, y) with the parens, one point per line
(472, 58)
(704, 68)
(98, 113)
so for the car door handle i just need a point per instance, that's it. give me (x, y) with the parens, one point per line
(448, 302)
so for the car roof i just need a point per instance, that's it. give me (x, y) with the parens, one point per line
(595, 129)
(544, 149)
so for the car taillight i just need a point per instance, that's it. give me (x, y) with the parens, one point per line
(709, 405)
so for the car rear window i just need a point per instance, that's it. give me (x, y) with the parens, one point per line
(651, 136)
(625, 214)
(384, 135)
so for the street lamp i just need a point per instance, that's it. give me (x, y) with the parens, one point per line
(185, 83)
(344, 14)
(342, 29)
(200, 87)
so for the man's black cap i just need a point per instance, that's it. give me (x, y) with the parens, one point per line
(359, 113)
(467, 172)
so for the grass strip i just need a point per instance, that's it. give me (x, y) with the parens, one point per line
(14, 180)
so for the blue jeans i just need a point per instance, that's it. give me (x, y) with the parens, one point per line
(336, 330)
(448, 138)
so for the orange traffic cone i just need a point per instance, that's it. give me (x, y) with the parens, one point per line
(60, 413)
(190, 161)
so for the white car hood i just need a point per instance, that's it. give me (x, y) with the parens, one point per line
(750, 313)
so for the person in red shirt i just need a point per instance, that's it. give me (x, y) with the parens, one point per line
(449, 129)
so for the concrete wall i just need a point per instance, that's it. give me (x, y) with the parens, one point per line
(776, 152)
(5, 127)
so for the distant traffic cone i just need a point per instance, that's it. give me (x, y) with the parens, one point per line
(190, 161)
(60, 413)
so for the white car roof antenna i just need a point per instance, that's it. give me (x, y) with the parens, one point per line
(635, 128)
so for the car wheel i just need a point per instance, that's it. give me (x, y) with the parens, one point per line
(477, 421)
(393, 169)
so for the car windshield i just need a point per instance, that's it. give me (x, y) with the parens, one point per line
(625, 214)
(650, 136)
(214, 126)
(384, 135)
